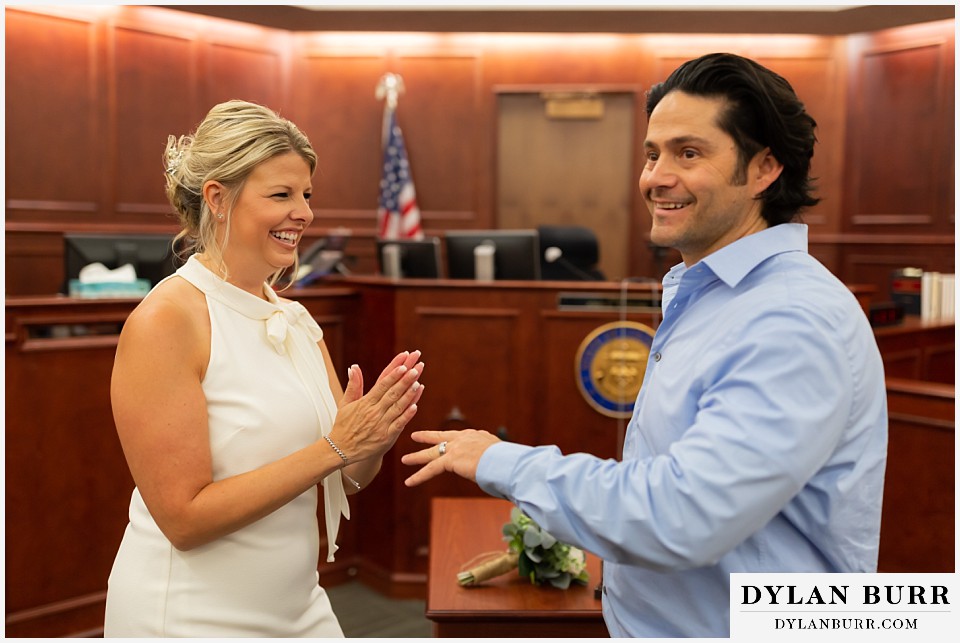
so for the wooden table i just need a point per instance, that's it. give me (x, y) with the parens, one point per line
(507, 606)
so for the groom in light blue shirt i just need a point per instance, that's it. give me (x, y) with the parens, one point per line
(758, 440)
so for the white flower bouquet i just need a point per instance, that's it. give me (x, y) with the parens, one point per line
(535, 554)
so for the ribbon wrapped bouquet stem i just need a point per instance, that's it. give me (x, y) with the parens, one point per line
(535, 553)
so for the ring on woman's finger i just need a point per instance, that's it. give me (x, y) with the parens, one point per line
(443, 447)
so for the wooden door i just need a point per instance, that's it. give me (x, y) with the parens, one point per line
(570, 168)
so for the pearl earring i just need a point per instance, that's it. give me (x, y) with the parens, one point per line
(220, 215)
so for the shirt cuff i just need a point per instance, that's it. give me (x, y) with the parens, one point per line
(496, 467)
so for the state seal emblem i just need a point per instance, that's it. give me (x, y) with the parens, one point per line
(610, 366)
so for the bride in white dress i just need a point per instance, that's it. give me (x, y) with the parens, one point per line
(226, 405)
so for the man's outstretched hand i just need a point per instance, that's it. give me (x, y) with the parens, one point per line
(454, 451)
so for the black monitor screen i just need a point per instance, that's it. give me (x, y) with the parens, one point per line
(418, 258)
(150, 254)
(516, 255)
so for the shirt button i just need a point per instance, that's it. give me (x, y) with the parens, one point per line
(656, 356)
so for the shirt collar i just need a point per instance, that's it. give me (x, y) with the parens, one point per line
(735, 261)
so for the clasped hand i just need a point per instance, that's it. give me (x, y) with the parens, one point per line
(368, 425)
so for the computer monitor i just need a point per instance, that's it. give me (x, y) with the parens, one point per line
(516, 255)
(323, 257)
(418, 258)
(151, 255)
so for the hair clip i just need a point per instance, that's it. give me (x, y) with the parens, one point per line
(174, 157)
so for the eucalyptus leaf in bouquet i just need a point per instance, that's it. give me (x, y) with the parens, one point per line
(541, 557)
(534, 552)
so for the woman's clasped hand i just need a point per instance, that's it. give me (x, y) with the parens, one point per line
(368, 425)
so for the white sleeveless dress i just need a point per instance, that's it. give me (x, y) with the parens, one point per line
(268, 395)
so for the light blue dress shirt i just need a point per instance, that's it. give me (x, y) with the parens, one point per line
(757, 444)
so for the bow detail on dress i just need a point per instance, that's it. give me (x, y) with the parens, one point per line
(291, 314)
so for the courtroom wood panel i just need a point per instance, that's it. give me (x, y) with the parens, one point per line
(54, 130)
(885, 190)
(917, 529)
(918, 350)
(146, 65)
(241, 70)
(67, 482)
(333, 103)
(34, 263)
(443, 132)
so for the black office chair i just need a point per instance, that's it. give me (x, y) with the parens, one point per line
(568, 253)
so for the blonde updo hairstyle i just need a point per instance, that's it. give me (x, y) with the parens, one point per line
(233, 139)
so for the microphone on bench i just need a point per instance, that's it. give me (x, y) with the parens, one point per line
(554, 254)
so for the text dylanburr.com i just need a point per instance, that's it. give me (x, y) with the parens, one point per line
(844, 607)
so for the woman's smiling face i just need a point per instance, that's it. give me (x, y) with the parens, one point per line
(269, 215)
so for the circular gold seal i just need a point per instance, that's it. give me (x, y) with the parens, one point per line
(610, 365)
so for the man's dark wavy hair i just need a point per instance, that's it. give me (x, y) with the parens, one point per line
(762, 111)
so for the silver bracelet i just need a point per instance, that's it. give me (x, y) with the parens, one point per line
(345, 462)
(337, 449)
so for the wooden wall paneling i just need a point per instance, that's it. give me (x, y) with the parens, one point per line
(154, 84)
(67, 504)
(122, 61)
(939, 364)
(917, 527)
(572, 59)
(333, 102)
(828, 253)
(54, 126)
(918, 350)
(443, 134)
(900, 111)
(34, 263)
(248, 63)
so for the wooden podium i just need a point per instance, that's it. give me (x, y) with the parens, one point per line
(507, 606)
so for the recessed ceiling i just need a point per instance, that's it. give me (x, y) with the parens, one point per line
(556, 17)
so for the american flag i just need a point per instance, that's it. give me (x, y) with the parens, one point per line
(398, 215)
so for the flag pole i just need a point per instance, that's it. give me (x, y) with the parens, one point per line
(389, 88)
(398, 215)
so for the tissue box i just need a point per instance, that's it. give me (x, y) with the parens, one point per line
(108, 289)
